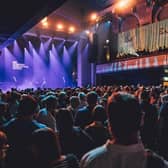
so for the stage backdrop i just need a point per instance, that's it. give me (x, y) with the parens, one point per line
(36, 62)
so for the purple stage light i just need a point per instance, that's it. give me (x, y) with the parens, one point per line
(47, 44)
(50, 65)
(17, 51)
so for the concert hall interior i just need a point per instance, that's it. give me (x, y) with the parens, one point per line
(74, 43)
(84, 84)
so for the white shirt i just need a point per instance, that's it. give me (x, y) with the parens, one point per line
(115, 156)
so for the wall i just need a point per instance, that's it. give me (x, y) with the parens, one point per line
(141, 14)
(83, 67)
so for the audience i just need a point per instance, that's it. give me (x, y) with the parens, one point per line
(62, 99)
(3, 113)
(97, 129)
(13, 103)
(119, 121)
(163, 128)
(46, 151)
(150, 125)
(3, 148)
(125, 148)
(73, 139)
(19, 131)
(47, 114)
(74, 105)
(84, 116)
(82, 98)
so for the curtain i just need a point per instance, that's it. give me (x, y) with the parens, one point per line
(150, 38)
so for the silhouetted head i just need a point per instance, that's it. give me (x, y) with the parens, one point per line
(62, 99)
(92, 98)
(99, 113)
(28, 106)
(50, 102)
(74, 101)
(124, 115)
(45, 145)
(82, 96)
(145, 96)
(64, 120)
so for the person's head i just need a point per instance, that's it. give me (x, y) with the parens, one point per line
(3, 145)
(50, 102)
(62, 99)
(92, 98)
(74, 101)
(82, 96)
(15, 96)
(164, 98)
(64, 120)
(45, 145)
(124, 115)
(28, 106)
(3, 108)
(99, 113)
(126, 89)
(145, 96)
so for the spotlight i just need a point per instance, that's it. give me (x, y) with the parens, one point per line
(87, 32)
(71, 29)
(45, 24)
(122, 4)
(107, 41)
(109, 22)
(93, 17)
(60, 26)
(44, 20)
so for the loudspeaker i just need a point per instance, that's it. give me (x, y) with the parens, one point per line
(93, 49)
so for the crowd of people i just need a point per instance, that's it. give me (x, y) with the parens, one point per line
(97, 127)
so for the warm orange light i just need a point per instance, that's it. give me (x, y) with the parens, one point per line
(123, 5)
(87, 32)
(45, 24)
(60, 26)
(93, 17)
(71, 29)
(44, 20)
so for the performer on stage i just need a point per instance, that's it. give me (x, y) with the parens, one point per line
(74, 79)
(15, 81)
(43, 83)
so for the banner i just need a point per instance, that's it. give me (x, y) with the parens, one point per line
(148, 38)
(132, 64)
